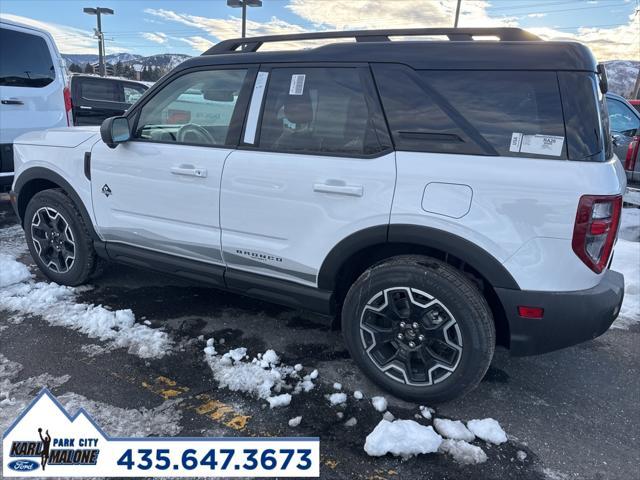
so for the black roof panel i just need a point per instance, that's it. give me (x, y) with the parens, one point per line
(434, 55)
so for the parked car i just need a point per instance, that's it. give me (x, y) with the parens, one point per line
(366, 180)
(624, 121)
(95, 99)
(33, 88)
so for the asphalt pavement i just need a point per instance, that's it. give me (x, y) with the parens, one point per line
(575, 412)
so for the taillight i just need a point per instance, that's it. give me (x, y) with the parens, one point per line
(632, 154)
(68, 105)
(596, 229)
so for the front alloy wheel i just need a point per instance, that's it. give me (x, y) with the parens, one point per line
(53, 239)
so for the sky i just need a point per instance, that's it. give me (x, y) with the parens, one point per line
(611, 28)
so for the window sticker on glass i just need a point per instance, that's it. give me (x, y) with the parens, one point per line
(297, 84)
(536, 144)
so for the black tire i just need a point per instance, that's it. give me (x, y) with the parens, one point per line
(460, 356)
(53, 255)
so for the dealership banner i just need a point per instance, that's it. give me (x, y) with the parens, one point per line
(45, 441)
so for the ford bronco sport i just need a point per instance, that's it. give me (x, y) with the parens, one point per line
(438, 196)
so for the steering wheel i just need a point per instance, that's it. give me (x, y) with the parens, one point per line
(192, 133)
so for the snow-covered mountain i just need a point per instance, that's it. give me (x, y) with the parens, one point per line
(165, 61)
(622, 75)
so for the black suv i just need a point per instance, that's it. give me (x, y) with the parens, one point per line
(96, 98)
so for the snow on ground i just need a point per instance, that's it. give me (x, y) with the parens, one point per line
(337, 398)
(281, 400)
(56, 305)
(161, 421)
(463, 452)
(403, 438)
(262, 377)
(453, 429)
(426, 412)
(11, 271)
(379, 403)
(295, 421)
(358, 395)
(12, 241)
(626, 260)
(488, 430)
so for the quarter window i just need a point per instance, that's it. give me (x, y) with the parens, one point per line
(195, 108)
(474, 112)
(25, 60)
(318, 110)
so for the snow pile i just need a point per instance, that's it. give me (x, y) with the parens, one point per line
(488, 430)
(263, 376)
(403, 438)
(351, 422)
(337, 398)
(426, 412)
(626, 260)
(453, 429)
(295, 421)
(56, 305)
(282, 400)
(358, 395)
(11, 271)
(379, 403)
(463, 452)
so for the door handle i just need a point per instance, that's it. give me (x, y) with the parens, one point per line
(189, 171)
(11, 101)
(84, 107)
(340, 188)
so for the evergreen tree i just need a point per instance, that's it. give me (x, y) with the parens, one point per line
(88, 68)
(75, 68)
(118, 69)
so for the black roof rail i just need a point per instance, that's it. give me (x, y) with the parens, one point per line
(252, 44)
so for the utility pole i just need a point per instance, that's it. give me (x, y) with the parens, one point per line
(455, 24)
(98, 11)
(244, 4)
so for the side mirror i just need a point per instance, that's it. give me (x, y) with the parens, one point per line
(115, 130)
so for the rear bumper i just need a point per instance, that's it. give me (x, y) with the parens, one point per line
(569, 317)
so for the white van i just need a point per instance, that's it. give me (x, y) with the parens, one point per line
(33, 88)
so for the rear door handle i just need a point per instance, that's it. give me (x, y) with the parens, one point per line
(84, 107)
(339, 188)
(189, 170)
(11, 101)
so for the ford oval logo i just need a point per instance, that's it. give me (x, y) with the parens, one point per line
(23, 465)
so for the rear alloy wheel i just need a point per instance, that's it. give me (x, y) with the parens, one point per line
(419, 328)
(410, 336)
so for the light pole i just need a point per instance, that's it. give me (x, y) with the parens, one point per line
(244, 4)
(98, 11)
(455, 24)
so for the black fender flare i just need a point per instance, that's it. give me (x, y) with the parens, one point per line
(41, 173)
(478, 258)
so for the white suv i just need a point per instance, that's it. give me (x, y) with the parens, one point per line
(33, 88)
(439, 197)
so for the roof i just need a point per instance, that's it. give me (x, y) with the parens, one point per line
(515, 50)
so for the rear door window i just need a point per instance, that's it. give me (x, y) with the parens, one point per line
(513, 114)
(25, 60)
(101, 90)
